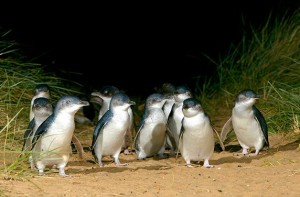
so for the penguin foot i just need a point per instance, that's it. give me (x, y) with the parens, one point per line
(244, 152)
(100, 164)
(122, 164)
(62, 172)
(41, 173)
(241, 154)
(189, 165)
(207, 165)
(162, 156)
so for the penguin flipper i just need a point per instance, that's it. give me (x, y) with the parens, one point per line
(137, 136)
(226, 129)
(28, 133)
(218, 136)
(172, 139)
(99, 128)
(41, 130)
(180, 137)
(262, 122)
(171, 114)
(168, 131)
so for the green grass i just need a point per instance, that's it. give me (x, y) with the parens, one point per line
(18, 79)
(266, 61)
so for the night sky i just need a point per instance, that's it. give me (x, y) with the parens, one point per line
(134, 45)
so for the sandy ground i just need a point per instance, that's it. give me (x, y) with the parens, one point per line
(275, 172)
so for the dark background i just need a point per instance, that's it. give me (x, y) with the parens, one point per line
(135, 46)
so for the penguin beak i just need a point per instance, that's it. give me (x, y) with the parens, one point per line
(257, 96)
(96, 94)
(131, 102)
(84, 103)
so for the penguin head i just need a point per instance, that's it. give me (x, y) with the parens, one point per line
(105, 93)
(166, 89)
(191, 107)
(69, 104)
(42, 106)
(42, 90)
(109, 91)
(247, 97)
(120, 101)
(181, 93)
(96, 99)
(156, 100)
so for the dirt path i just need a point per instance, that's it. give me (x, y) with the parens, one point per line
(275, 172)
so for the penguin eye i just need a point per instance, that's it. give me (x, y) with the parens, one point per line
(157, 100)
(243, 97)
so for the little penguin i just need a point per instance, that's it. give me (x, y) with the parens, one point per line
(151, 136)
(42, 109)
(248, 123)
(51, 142)
(104, 97)
(174, 120)
(109, 133)
(196, 140)
(41, 90)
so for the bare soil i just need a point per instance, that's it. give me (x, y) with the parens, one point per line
(274, 172)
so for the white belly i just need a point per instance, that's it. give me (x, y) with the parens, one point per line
(247, 130)
(197, 141)
(152, 138)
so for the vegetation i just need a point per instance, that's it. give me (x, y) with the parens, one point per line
(266, 61)
(17, 82)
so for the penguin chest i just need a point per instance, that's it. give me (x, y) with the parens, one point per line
(153, 132)
(113, 135)
(178, 115)
(174, 123)
(168, 107)
(59, 134)
(152, 138)
(197, 141)
(247, 129)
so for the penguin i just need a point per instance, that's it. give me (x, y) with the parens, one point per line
(248, 123)
(109, 133)
(51, 142)
(42, 109)
(104, 97)
(41, 90)
(174, 120)
(196, 139)
(151, 136)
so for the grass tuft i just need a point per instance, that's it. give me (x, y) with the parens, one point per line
(266, 61)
